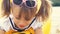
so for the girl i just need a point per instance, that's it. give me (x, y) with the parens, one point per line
(23, 16)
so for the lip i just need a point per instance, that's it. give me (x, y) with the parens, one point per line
(21, 25)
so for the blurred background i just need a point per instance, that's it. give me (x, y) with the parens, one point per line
(56, 2)
(52, 25)
(55, 22)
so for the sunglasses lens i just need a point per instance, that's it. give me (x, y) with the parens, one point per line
(17, 2)
(30, 3)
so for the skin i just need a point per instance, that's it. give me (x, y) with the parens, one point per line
(2, 32)
(20, 21)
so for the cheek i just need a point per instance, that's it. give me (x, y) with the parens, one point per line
(21, 22)
(38, 5)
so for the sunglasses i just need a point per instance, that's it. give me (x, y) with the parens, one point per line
(27, 3)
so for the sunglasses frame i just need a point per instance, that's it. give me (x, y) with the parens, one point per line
(26, 4)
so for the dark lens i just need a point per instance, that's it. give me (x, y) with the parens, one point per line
(30, 3)
(17, 2)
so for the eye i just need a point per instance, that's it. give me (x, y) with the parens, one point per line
(18, 18)
(27, 18)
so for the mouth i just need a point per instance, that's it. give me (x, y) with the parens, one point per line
(21, 25)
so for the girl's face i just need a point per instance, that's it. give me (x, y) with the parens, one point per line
(20, 21)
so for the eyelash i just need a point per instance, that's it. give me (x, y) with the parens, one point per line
(27, 19)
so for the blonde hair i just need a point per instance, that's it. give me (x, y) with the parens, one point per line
(43, 12)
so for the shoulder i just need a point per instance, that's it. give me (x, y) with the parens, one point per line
(36, 25)
(4, 23)
(4, 20)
